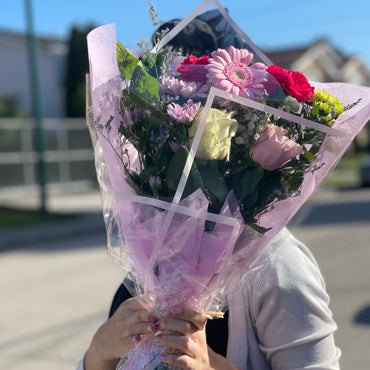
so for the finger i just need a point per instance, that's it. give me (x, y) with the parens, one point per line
(127, 343)
(133, 304)
(171, 351)
(139, 329)
(198, 319)
(128, 318)
(182, 361)
(126, 308)
(181, 343)
(176, 325)
(141, 314)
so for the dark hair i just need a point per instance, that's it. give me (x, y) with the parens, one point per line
(197, 38)
(206, 33)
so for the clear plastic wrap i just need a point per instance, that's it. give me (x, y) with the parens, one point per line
(186, 224)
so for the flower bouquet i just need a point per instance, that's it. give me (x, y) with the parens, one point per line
(201, 161)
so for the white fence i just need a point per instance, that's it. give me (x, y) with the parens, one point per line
(68, 155)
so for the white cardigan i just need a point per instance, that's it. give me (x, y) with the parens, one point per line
(279, 317)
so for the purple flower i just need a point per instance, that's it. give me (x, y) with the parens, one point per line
(185, 113)
(175, 87)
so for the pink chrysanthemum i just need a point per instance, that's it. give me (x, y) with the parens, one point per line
(175, 87)
(231, 71)
(185, 113)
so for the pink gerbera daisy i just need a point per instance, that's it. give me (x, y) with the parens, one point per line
(231, 71)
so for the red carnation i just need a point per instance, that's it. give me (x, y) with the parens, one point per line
(293, 83)
(192, 59)
(193, 68)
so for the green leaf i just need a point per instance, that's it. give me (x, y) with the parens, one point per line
(134, 71)
(309, 156)
(132, 99)
(143, 138)
(258, 228)
(294, 182)
(174, 172)
(246, 183)
(127, 63)
(155, 64)
(144, 83)
(270, 182)
(212, 179)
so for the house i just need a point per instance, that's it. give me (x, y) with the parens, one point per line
(15, 82)
(321, 62)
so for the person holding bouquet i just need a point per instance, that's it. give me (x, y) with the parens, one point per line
(279, 319)
(278, 316)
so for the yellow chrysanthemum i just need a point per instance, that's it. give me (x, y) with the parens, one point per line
(326, 107)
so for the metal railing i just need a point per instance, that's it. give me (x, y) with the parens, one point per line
(68, 154)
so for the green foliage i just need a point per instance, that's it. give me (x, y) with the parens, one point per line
(155, 64)
(144, 88)
(127, 63)
(174, 172)
(246, 188)
(77, 67)
(9, 107)
(213, 179)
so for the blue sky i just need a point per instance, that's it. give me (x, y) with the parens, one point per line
(271, 25)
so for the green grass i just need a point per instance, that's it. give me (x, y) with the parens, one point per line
(12, 218)
(350, 161)
(346, 174)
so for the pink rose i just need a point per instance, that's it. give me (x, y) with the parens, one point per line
(274, 148)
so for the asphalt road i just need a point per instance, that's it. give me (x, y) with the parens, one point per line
(54, 294)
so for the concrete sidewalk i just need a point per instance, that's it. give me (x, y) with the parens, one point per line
(57, 291)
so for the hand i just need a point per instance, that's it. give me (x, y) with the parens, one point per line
(184, 340)
(119, 334)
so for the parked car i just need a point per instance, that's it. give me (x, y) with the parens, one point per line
(365, 171)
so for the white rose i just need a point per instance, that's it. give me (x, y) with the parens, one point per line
(217, 134)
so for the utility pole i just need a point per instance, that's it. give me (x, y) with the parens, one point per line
(36, 103)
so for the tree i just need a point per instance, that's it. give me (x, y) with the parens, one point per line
(77, 67)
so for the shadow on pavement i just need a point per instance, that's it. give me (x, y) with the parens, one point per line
(346, 212)
(84, 230)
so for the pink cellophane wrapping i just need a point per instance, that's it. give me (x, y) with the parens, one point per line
(162, 247)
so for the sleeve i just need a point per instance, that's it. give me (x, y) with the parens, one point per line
(80, 365)
(290, 309)
(120, 296)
